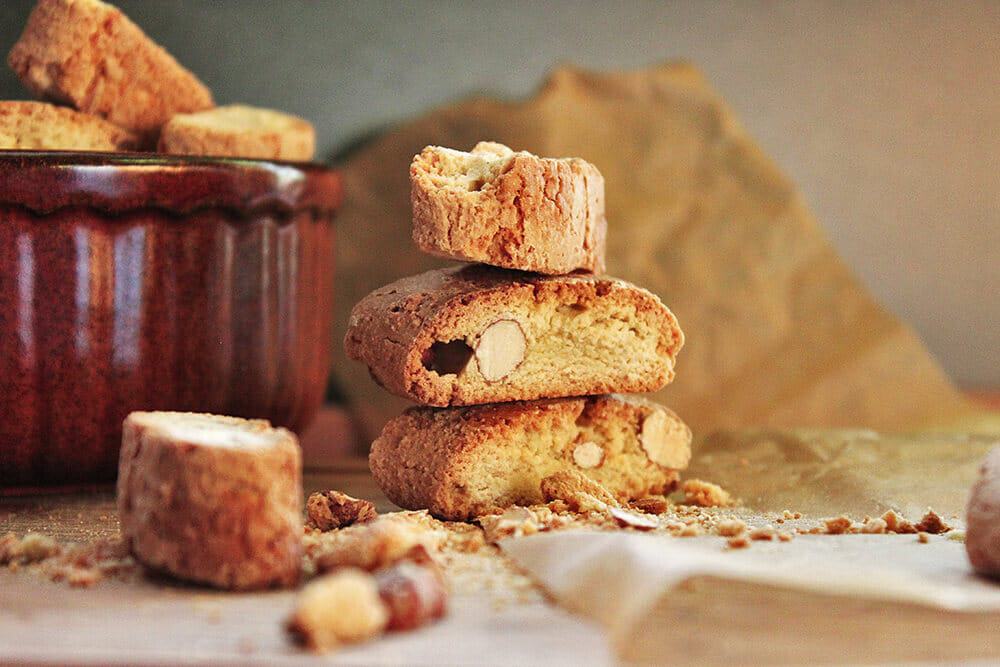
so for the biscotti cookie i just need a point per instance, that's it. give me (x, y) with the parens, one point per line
(507, 209)
(240, 131)
(88, 54)
(41, 126)
(214, 500)
(461, 463)
(476, 334)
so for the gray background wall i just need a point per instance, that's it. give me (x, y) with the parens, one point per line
(886, 114)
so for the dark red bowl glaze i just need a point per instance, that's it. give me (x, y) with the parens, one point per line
(142, 282)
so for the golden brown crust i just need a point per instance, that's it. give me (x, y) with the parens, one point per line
(42, 126)
(226, 515)
(507, 209)
(465, 462)
(88, 54)
(240, 131)
(585, 335)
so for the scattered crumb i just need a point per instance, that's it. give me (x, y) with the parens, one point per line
(328, 510)
(837, 525)
(339, 608)
(731, 528)
(738, 542)
(581, 493)
(896, 524)
(932, 523)
(785, 536)
(764, 533)
(956, 535)
(874, 526)
(690, 530)
(367, 546)
(651, 504)
(923, 537)
(705, 494)
(789, 515)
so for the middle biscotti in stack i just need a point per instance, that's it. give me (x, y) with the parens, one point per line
(517, 361)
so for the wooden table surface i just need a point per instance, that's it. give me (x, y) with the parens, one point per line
(712, 622)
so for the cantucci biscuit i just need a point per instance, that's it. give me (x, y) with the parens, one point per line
(461, 463)
(88, 54)
(41, 126)
(476, 334)
(240, 131)
(509, 209)
(214, 500)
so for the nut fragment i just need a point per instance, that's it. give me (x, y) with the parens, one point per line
(414, 594)
(500, 349)
(338, 608)
(588, 454)
(327, 510)
(666, 440)
(633, 519)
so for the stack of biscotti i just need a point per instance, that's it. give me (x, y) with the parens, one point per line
(108, 87)
(517, 360)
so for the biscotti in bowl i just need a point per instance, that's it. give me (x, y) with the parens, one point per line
(150, 282)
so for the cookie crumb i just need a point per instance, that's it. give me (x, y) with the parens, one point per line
(932, 523)
(785, 536)
(874, 527)
(896, 524)
(923, 537)
(738, 542)
(837, 525)
(705, 494)
(581, 493)
(651, 504)
(327, 510)
(339, 608)
(730, 528)
(763, 533)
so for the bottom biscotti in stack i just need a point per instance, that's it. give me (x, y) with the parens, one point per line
(461, 463)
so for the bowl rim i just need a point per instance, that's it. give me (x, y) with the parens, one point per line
(48, 181)
(150, 158)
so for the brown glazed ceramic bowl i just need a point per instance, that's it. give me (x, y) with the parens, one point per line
(151, 282)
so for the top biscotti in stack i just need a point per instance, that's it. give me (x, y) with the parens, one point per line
(518, 360)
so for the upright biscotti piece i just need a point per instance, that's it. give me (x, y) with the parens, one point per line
(240, 131)
(507, 209)
(89, 55)
(476, 334)
(41, 126)
(214, 500)
(465, 462)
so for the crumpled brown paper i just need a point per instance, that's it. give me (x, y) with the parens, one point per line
(827, 473)
(779, 333)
